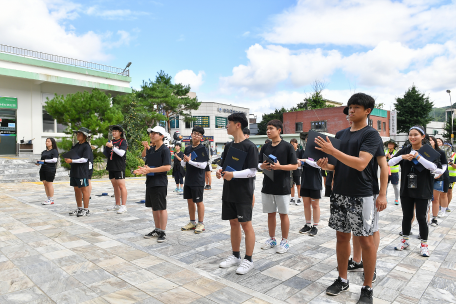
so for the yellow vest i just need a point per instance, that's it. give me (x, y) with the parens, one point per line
(394, 169)
(452, 170)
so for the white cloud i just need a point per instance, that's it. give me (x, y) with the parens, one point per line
(246, 34)
(362, 22)
(118, 14)
(188, 77)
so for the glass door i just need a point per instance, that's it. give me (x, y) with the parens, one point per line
(8, 135)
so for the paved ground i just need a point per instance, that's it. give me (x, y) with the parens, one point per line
(48, 256)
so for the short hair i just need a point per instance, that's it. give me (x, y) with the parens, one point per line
(239, 117)
(363, 100)
(293, 140)
(178, 145)
(275, 123)
(198, 129)
(267, 141)
(246, 131)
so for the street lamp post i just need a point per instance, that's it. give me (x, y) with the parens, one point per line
(452, 117)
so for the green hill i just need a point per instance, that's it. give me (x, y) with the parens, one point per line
(438, 114)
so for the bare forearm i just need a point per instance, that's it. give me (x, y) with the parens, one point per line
(289, 167)
(383, 179)
(159, 169)
(350, 161)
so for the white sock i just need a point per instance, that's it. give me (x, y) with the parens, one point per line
(444, 209)
(344, 280)
(51, 198)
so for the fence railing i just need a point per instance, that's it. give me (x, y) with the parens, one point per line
(63, 60)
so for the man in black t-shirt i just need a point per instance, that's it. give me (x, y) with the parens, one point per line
(275, 195)
(353, 207)
(115, 150)
(194, 182)
(178, 171)
(238, 193)
(158, 163)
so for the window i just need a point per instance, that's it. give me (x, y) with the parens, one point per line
(436, 132)
(189, 124)
(371, 122)
(319, 126)
(298, 127)
(174, 122)
(50, 125)
(384, 126)
(379, 125)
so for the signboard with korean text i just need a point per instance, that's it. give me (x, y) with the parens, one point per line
(201, 121)
(220, 122)
(189, 138)
(8, 103)
(393, 122)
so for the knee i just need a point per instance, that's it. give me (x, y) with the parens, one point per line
(272, 215)
(343, 237)
(234, 223)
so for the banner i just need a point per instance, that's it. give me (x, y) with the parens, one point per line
(8, 102)
(393, 122)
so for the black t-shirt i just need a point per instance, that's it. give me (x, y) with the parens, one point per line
(349, 181)
(380, 152)
(311, 178)
(49, 154)
(91, 160)
(81, 170)
(194, 177)
(116, 162)
(286, 155)
(158, 158)
(240, 190)
(425, 179)
(177, 163)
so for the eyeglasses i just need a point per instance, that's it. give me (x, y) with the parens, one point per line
(197, 134)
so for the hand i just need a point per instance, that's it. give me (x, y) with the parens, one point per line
(408, 157)
(187, 158)
(323, 163)
(325, 145)
(109, 144)
(227, 175)
(68, 160)
(145, 144)
(139, 171)
(218, 173)
(436, 177)
(416, 155)
(276, 166)
(265, 166)
(381, 202)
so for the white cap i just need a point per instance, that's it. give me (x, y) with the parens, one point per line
(161, 130)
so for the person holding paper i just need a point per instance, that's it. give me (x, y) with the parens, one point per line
(353, 207)
(115, 151)
(275, 195)
(158, 163)
(79, 172)
(48, 163)
(416, 187)
(178, 171)
(296, 175)
(237, 193)
(194, 181)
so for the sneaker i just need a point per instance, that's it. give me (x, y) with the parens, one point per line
(441, 214)
(396, 202)
(292, 201)
(230, 261)
(305, 229)
(113, 208)
(424, 250)
(83, 212)
(400, 233)
(47, 202)
(245, 267)
(367, 296)
(337, 287)
(199, 228)
(434, 223)
(122, 209)
(205, 187)
(298, 202)
(313, 231)
(189, 226)
(418, 237)
(448, 210)
(283, 246)
(208, 187)
(176, 190)
(161, 237)
(403, 245)
(270, 243)
(375, 276)
(181, 191)
(352, 265)
(74, 212)
(152, 234)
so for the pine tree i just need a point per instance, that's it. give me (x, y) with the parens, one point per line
(413, 108)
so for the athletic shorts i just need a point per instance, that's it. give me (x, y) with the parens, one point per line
(48, 176)
(451, 185)
(156, 198)
(90, 173)
(438, 186)
(240, 211)
(452, 179)
(296, 179)
(275, 203)
(394, 178)
(194, 193)
(315, 194)
(79, 182)
(323, 173)
(208, 168)
(117, 174)
(357, 215)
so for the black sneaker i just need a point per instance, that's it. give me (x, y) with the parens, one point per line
(367, 296)
(161, 237)
(305, 229)
(337, 287)
(434, 223)
(375, 276)
(352, 265)
(313, 231)
(83, 212)
(400, 233)
(152, 234)
(208, 187)
(74, 212)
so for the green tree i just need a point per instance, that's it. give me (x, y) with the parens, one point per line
(413, 108)
(448, 128)
(277, 114)
(315, 100)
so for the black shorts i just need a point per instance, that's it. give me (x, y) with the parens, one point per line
(323, 173)
(240, 211)
(297, 179)
(194, 193)
(315, 194)
(90, 173)
(156, 198)
(79, 182)
(117, 174)
(394, 178)
(48, 176)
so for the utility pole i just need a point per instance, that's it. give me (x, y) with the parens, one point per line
(452, 117)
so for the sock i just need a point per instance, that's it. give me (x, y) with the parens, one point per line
(193, 222)
(86, 209)
(308, 223)
(344, 280)
(79, 208)
(434, 217)
(444, 209)
(200, 222)
(237, 254)
(248, 257)
(357, 263)
(424, 242)
(284, 240)
(405, 237)
(158, 229)
(51, 198)
(315, 224)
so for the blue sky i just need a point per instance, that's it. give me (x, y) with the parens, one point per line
(262, 53)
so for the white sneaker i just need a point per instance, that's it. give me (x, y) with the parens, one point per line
(298, 202)
(230, 261)
(441, 214)
(122, 209)
(113, 208)
(245, 267)
(270, 243)
(283, 246)
(292, 201)
(47, 202)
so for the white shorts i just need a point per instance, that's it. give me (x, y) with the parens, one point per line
(275, 203)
